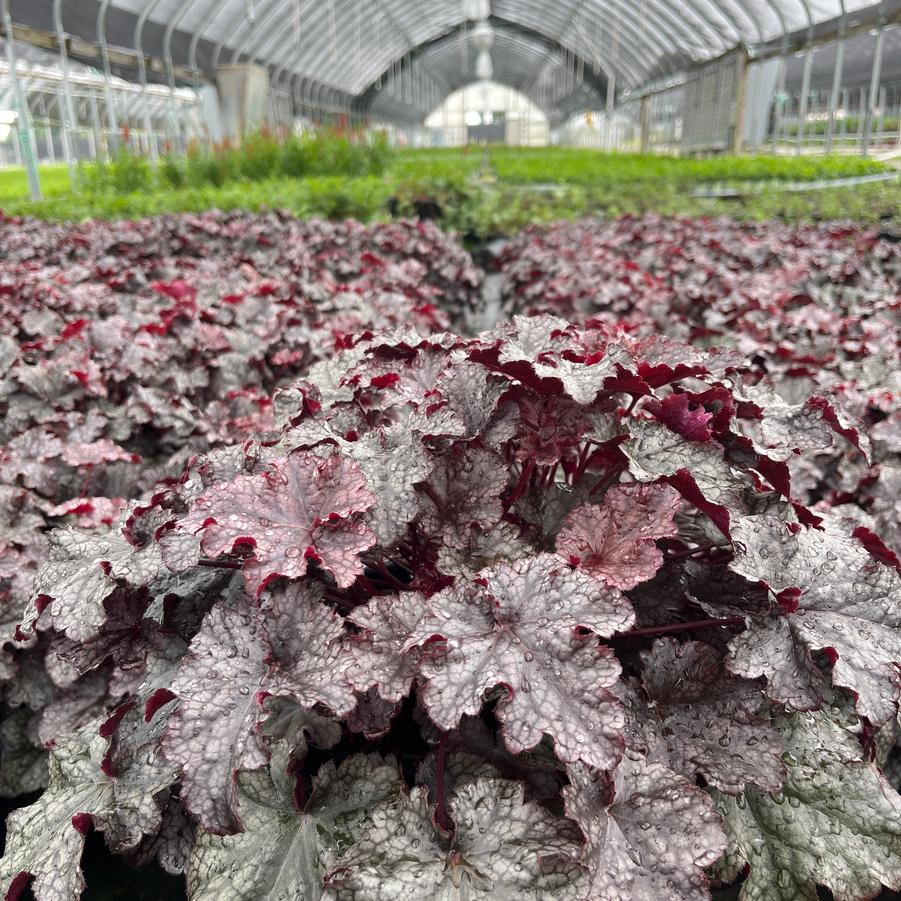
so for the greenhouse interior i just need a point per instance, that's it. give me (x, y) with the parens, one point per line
(450, 450)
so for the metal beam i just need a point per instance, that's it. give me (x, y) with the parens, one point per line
(24, 130)
(234, 23)
(804, 100)
(66, 108)
(142, 74)
(873, 94)
(837, 73)
(828, 30)
(253, 27)
(107, 69)
(210, 17)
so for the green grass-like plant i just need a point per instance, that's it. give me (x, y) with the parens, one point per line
(479, 192)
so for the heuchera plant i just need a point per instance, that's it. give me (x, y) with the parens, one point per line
(814, 309)
(127, 348)
(537, 614)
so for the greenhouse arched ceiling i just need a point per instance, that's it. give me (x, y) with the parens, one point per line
(400, 58)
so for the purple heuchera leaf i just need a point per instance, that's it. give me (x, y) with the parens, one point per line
(45, 840)
(834, 598)
(698, 471)
(615, 541)
(298, 727)
(694, 717)
(373, 715)
(502, 847)
(649, 833)
(212, 733)
(582, 381)
(386, 653)
(393, 461)
(530, 630)
(284, 852)
(81, 574)
(307, 659)
(300, 510)
(240, 657)
(463, 494)
(675, 412)
(785, 429)
(171, 845)
(472, 396)
(835, 823)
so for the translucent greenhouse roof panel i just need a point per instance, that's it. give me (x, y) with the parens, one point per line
(345, 43)
(521, 59)
(350, 47)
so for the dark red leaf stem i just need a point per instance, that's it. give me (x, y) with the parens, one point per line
(581, 465)
(683, 627)
(220, 564)
(386, 575)
(521, 485)
(440, 796)
(678, 555)
(549, 475)
(89, 475)
(606, 479)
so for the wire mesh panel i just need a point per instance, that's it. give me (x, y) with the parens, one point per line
(712, 102)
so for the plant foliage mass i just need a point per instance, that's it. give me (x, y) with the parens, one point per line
(568, 609)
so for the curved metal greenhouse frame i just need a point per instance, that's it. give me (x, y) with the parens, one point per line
(135, 68)
(338, 52)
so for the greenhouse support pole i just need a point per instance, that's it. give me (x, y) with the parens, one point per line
(779, 124)
(170, 66)
(107, 74)
(741, 99)
(846, 103)
(611, 93)
(804, 100)
(837, 74)
(48, 140)
(24, 131)
(861, 116)
(148, 121)
(873, 94)
(68, 122)
(142, 74)
(644, 116)
(99, 143)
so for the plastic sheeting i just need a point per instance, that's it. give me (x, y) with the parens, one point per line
(350, 46)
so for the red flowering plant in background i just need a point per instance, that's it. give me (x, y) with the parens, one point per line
(539, 613)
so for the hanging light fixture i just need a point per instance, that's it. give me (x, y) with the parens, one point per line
(482, 37)
(484, 66)
(476, 10)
